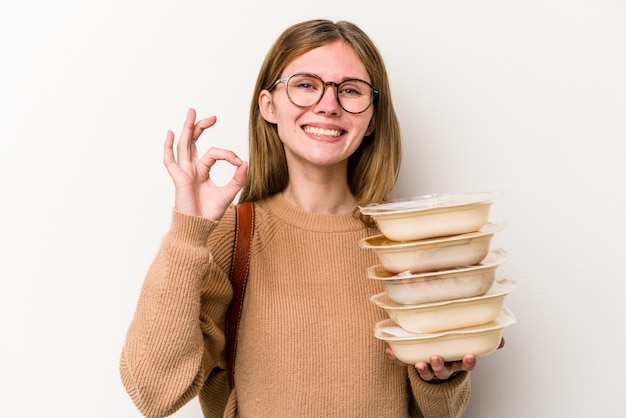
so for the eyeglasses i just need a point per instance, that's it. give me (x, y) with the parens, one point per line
(306, 90)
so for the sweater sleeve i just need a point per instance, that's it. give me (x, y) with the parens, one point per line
(441, 399)
(177, 334)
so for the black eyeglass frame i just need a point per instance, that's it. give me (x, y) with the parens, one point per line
(285, 80)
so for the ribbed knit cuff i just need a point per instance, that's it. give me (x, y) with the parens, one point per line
(456, 380)
(436, 380)
(192, 230)
(446, 398)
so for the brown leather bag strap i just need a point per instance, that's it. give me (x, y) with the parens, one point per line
(244, 229)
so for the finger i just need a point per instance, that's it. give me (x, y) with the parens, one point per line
(443, 370)
(201, 125)
(214, 154)
(198, 128)
(239, 178)
(191, 132)
(186, 142)
(390, 354)
(236, 183)
(168, 154)
(424, 370)
(393, 358)
(469, 362)
(438, 366)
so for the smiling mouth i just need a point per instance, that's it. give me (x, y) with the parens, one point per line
(332, 133)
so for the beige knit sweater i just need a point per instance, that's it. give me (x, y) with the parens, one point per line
(306, 339)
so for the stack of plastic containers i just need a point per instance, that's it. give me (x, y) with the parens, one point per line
(439, 275)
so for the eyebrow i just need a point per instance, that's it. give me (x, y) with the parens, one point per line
(317, 75)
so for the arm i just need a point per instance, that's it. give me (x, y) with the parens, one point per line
(447, 398)
(438, 388)
(177, 334)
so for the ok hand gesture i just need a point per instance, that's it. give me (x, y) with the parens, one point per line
(196, 194)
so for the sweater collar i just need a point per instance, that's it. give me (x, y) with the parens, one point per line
(281, 208)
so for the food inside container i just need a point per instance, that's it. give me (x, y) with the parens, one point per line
(432, 254)
(446, 315)
(430, 216)
(461, 282)
(452, 345)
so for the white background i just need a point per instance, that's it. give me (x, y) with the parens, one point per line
(525, 98)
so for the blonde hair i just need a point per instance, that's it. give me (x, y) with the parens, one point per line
(373, 168)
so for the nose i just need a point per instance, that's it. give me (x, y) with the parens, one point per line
(329, 102)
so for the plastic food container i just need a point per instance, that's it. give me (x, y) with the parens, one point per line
(460, 282)
(452, 345)
(447, 315)
(432, 254)
(430, 216)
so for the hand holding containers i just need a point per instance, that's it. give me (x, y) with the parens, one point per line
(441, 292)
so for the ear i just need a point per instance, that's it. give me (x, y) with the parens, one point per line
(371, 126)
(266, 106)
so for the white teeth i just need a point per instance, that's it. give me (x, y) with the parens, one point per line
(322, 132)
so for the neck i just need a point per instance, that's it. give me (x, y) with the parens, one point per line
(319, 198)
(319, 188)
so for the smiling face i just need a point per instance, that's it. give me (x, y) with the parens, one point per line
(323, 135)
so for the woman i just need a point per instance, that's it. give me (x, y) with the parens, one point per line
(324, 139)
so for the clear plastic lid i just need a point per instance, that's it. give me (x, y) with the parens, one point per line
(428, 202)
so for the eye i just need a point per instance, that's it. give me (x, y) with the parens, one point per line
(353, 88)
(350, 92)
(305, 83)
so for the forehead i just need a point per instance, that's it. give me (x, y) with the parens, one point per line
(334, 61)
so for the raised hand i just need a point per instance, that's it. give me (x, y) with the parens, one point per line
(196, 193)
